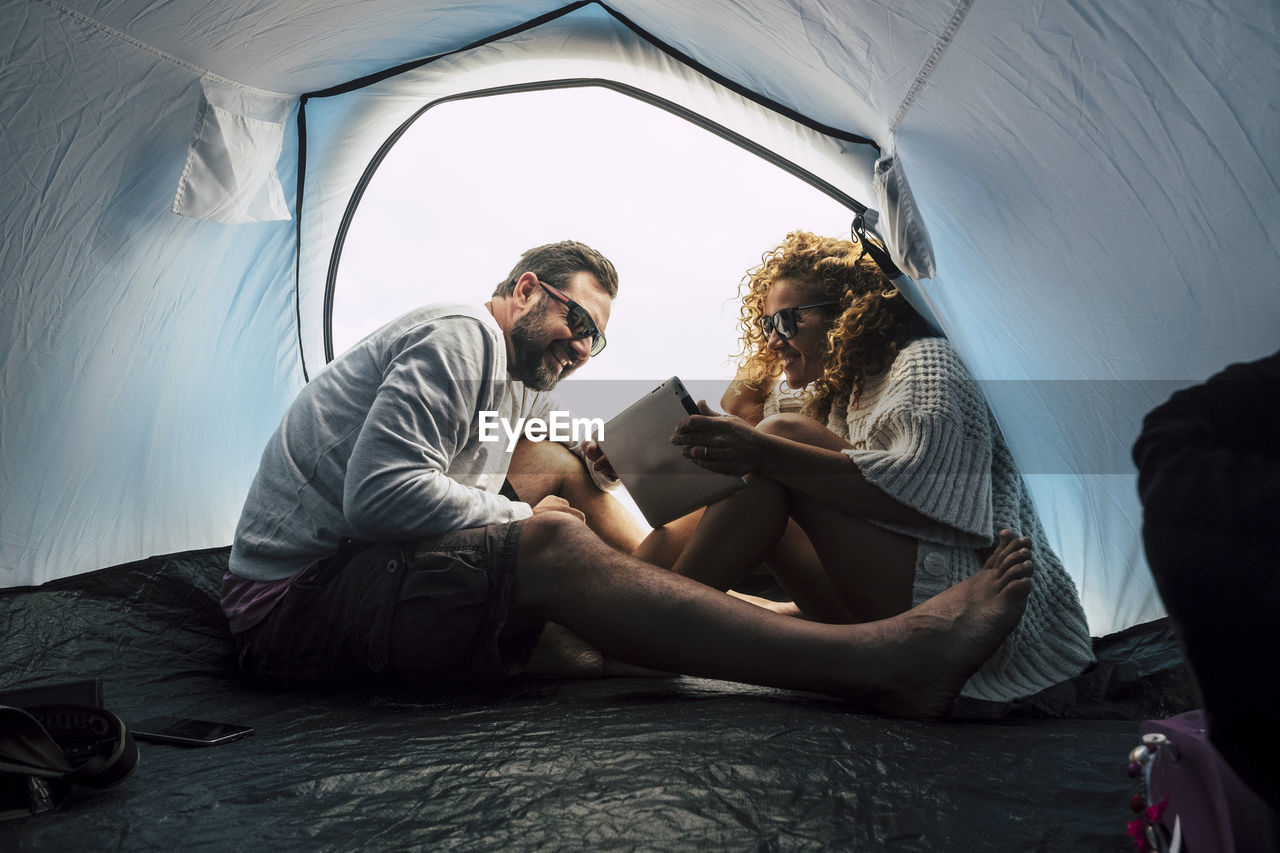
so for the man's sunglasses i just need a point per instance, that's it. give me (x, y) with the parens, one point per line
(579, 319)
(784, 321)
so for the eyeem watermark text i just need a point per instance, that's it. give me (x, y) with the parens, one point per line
(558, 426)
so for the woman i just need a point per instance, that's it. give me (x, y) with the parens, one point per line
(878, 476)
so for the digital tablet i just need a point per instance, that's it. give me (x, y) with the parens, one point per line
(664, 484)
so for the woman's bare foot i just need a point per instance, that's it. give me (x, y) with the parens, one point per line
(786, 608)
(929, 652)
(560, 653)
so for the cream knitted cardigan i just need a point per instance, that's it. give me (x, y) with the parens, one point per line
(923, 433)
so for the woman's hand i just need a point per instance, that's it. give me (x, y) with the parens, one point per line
(719, 442)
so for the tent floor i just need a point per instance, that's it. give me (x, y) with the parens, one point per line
(661, 764)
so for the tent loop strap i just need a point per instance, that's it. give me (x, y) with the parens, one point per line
(935, 56)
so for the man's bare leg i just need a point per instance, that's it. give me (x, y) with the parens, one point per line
(541, 468)
(912, 665)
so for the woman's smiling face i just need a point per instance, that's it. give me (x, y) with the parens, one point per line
(804, 354)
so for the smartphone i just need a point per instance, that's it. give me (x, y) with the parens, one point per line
(184, 732)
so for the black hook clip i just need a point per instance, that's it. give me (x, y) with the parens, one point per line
(872, 246)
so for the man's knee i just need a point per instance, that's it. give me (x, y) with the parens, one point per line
(552, 534)
(554, 548)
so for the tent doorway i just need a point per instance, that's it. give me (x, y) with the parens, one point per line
(682, 212)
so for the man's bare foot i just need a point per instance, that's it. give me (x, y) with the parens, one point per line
(930, 651)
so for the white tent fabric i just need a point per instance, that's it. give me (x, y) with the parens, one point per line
(1098, 182)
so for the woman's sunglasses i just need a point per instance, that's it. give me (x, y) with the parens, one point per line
(784, 321)
(579, 319)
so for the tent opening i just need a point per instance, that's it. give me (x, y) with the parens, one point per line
(681, 212)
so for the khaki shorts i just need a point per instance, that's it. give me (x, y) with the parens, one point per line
(432, 610)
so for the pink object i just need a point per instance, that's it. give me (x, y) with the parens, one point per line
(1196, 796)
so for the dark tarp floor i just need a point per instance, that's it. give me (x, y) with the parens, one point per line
(616, 764)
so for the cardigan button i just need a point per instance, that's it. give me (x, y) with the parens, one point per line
(934, 563)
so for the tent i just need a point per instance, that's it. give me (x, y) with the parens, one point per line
(1091, 205)
(1084, 195)
(1090, 216)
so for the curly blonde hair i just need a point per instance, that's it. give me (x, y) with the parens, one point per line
(874, 323)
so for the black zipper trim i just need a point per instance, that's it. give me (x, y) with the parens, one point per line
(669, 50)
(756, 97)
(379, 76)
(297, 238)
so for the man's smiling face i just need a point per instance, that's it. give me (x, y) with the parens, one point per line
(543, 349)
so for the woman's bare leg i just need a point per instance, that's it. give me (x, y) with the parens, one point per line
(839, 568)
(869, 570)
(912, 665)
(796, 567)
(663, 546)
(735, 534)
(793, 563)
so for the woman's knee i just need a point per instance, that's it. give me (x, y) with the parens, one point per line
(800, 428)
(787, 425)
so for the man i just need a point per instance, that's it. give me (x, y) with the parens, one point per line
(375, 542)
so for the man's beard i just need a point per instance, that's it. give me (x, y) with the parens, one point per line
(528, 354)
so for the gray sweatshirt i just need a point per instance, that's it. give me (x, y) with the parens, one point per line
(384, 445)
